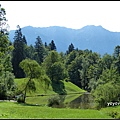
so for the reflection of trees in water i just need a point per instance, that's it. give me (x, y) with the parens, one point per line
(84, 101)
(62, 98)
(56, 101)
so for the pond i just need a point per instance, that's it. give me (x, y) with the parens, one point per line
(83, 101)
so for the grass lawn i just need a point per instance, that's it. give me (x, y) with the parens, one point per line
(69, 87)
(14, 110)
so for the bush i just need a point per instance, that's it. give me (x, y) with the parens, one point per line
(55, 101)
(20, 98)
(114, 114)
(105, 93)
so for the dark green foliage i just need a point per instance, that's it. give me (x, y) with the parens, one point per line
(7, 84)
(46, 45)
(56, 101)
(117, 64)
(19, 53)
(24, 40)
(70, 48)
(59, 87)
(3, 91)
(54, 68)
(114, 114)
(20, 98)
(52, 46)
(53, 101)
(73, 71)
(107, 61)
(70, 57)
(30, 52)
(83, 74)
(108, 87)
(39, 50)
(116, 51)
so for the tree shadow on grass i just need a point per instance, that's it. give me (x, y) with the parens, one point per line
(59, 87)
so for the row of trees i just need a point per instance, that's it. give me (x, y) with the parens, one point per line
(86, 69)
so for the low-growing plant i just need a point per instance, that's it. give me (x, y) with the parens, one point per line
(20, 98)
(55, 101)
(113, 114)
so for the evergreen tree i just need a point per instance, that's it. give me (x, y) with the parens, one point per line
(70, 48)
(52, 46)
(30, 50)
(46, 45)
(19, 53)
(24, 40)
(116, 51)
(39, 50)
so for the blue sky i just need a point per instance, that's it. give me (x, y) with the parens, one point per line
(71, 14)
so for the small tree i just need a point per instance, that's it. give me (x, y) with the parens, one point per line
(52, 46)
(32, 70)
(70, 48)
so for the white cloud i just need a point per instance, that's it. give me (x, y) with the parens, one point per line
(72, 14)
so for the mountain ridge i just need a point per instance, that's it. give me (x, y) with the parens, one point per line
(95, 38)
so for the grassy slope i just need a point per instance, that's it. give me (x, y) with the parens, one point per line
(69, 87)
(14, 110)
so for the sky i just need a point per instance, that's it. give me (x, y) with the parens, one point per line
(70, 14)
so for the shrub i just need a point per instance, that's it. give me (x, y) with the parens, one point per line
(20, 98)
(114, 114)
(55, 101)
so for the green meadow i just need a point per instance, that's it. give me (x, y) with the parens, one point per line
(14, 110)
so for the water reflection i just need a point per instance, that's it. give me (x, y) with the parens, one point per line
(81, 101)
(84, 101)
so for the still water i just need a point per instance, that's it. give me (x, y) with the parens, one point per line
(82, 101)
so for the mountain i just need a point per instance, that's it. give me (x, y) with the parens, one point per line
(95, 38)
